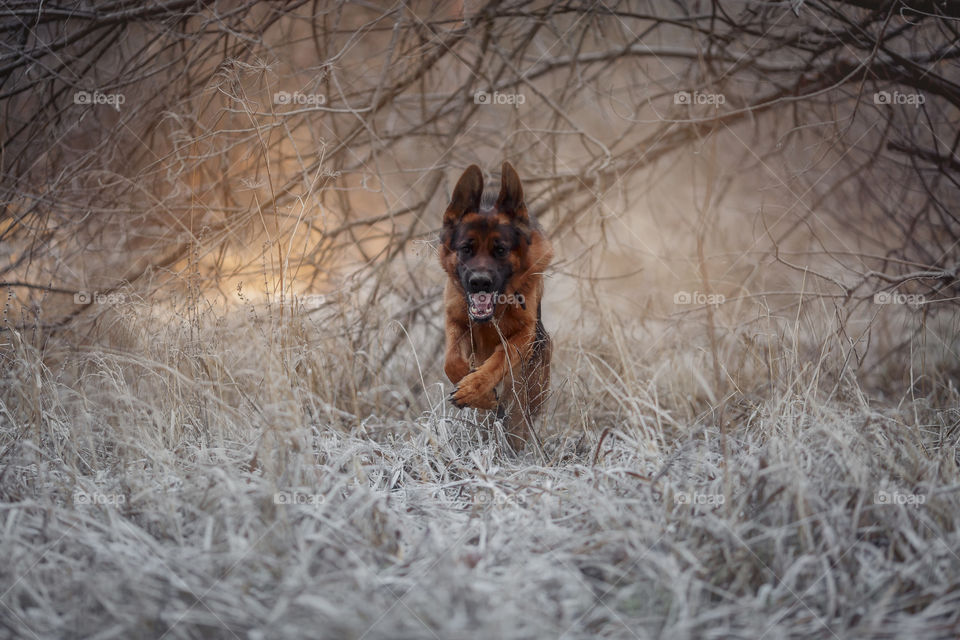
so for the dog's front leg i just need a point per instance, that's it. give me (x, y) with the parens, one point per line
(455, 364)
(457, 367)
(477, 388)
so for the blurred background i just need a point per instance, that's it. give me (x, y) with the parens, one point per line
(733, 189)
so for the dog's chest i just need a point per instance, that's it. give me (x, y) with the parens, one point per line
(483, 340)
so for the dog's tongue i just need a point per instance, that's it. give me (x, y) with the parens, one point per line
(481, 305)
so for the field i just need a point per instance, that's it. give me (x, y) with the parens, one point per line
(223, 410)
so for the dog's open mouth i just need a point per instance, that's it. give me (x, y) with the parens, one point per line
(480, 305)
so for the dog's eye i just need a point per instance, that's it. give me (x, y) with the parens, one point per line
(466, 250)
(499, 251)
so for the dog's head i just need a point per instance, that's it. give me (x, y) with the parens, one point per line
(484, 241)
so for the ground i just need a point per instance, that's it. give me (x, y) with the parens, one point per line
(284, 516)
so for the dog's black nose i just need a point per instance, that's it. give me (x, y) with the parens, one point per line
(480, 282)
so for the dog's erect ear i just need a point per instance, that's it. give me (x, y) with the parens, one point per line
(510, 200)
(466, 195)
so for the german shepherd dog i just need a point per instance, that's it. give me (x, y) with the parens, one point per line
(495, 255)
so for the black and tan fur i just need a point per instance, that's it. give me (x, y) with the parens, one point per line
(498, 360)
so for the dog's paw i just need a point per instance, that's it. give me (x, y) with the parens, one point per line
(472, 392)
